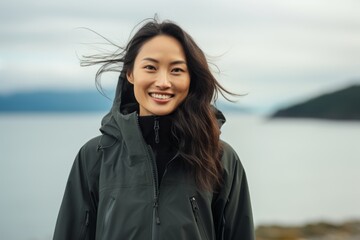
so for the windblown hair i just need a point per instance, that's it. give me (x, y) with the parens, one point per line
(195, 127)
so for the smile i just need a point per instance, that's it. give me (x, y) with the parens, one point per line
(161, 96)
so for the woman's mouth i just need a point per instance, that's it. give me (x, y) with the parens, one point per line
(161, 96)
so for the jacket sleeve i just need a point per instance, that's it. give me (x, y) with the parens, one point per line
(236, 220)
(77, 215)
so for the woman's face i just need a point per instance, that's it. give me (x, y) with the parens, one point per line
(160, 76)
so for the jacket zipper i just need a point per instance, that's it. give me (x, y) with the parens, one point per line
(85, 226)
(156, 217)
(156, 184)
(157, 192)
(156, 129)
(155, 173)
(195, 209)
(223, 223)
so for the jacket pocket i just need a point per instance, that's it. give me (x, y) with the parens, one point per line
(197, 216)
(221, 229)
(85, 225)
(109, 211)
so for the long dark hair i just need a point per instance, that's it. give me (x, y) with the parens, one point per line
(195, 126)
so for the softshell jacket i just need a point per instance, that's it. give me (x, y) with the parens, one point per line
(113, 191)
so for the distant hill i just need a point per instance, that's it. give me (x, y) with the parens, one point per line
(229, 107)
(73, 101)
(343, 104)
(55, 101)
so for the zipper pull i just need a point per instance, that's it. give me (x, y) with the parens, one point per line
(156, 206)
(156, 129)
(195, 207)
(87, 219)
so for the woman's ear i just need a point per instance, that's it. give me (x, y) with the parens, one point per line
(130, 77)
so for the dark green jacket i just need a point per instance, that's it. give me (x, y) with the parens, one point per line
(112, 191)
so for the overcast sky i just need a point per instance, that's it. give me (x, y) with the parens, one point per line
(277, 51)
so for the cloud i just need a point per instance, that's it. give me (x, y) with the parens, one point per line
(262, 43)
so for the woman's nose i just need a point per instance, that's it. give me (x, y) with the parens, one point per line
(163, 81)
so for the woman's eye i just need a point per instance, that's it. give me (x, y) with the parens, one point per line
(150, 67)
(177, 70)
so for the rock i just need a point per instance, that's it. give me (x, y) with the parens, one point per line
(314, 231)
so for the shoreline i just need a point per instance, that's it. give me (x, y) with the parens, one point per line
(322, 230)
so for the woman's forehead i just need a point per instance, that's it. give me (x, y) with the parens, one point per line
(160, 47)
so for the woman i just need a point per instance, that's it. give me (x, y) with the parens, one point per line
(159, 170)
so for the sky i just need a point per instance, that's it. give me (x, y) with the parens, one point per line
(274, 52)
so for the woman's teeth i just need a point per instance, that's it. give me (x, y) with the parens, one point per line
(160, 96)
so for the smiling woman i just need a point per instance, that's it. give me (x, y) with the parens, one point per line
(159, 170)
(160, 76)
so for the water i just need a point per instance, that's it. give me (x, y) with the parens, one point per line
(298, 170)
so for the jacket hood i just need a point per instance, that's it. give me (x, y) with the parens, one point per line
(123, 113)
(124, 103)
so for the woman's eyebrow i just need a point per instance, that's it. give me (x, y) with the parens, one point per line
(150, 59)
(156, 61)
(178, 62)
